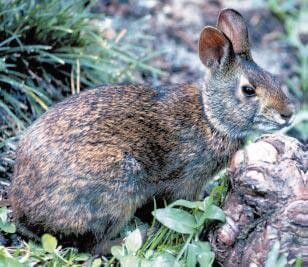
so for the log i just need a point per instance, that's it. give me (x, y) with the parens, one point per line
(268, 202)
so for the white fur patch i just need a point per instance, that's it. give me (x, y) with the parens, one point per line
(244, 81)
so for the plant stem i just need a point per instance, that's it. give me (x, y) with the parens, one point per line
(184, 247)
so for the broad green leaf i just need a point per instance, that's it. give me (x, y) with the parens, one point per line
(208, 201)
(298, 262)
(201, 251)
(117, 252)
(3, 214)
(129, 261)
(133, 241)
(4, 252)
(9, 262)
(49, 243)
(96, 263)
(188, 204)
(165, 260)
(274, 258)
(8, 227)
(176, 219)
(82, 257)
(146, 263)
(203, 246)
(191, 255)
(206, 259)
(215, 213)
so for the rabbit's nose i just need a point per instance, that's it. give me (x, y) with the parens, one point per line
(287, 114)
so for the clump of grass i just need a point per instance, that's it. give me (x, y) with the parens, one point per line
(52, 48)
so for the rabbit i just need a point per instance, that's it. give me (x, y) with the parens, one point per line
(89, 162)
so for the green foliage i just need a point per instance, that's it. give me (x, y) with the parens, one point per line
(274, 258)
(298, 262)
(176, 219)
(49, 243)
(5, 225)
(52, 48)
(170, 245)
(294, 15)
(48, 253)
(30, 254)
(176, 242)
(185, 223)
(6, 259)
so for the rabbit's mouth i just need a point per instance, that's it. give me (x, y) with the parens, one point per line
(265, 124)
(271, 119)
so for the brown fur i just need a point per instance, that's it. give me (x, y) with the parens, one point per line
(89, 162)
(109, 153)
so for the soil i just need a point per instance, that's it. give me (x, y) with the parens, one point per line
(175, 26)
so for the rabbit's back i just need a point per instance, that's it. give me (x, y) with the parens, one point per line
(71, 158)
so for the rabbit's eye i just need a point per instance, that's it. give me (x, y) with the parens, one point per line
(248, 90)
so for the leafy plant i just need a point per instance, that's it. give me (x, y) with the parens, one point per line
(30, 254)
(294, 15)
(274, 258)
(50, 49)
(49, 243)
(177, 241)
(5, 225)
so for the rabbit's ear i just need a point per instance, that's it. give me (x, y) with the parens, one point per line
(233, 25)
(214, 48)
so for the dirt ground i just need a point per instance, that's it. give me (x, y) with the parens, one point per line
(175, 26)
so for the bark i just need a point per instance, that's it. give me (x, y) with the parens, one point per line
(268, 202)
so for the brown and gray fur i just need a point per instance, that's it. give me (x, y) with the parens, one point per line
(89, 162)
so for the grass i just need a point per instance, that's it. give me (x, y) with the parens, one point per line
(294, 15)
(51, 49)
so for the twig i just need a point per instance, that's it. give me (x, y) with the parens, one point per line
(78, 76)
(72, 81)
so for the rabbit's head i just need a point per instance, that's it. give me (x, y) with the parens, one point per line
(238, 95)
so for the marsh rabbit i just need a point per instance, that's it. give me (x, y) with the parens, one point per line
(89, 162)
